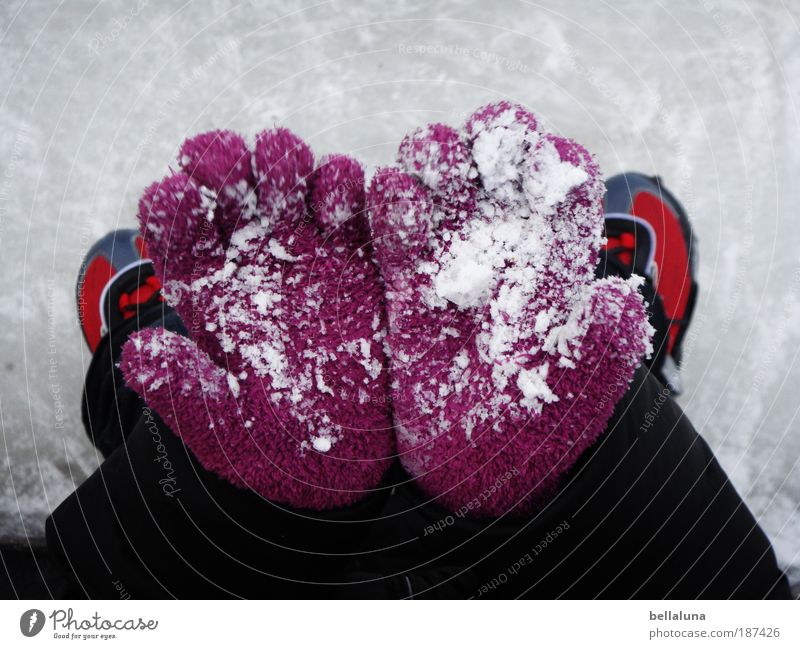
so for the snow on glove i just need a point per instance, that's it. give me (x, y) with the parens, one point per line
(507, 355)
(282, 386)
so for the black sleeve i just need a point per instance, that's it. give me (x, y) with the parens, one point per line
(152, 523)
(647, 512)
(656, 515)
(718, 549)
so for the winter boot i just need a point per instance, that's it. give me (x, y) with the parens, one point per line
(116, 279)
(649, 234)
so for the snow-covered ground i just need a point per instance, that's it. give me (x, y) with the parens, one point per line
(95, 98)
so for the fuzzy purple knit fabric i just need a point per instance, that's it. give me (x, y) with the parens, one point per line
(281, 387)
(507, 354)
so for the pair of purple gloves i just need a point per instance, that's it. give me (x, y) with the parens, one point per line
(448, 315)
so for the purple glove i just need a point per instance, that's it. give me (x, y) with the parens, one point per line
(283, 386)
(508, 356)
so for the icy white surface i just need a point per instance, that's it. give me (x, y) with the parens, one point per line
(95, 98)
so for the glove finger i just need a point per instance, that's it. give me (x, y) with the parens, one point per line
(442, 161)
(196, 398)
(337, 201)
(563, 188)
(608, 325)
(400, 218)
(282, 165)
(502, 113)
(177, 222)
(220, 161)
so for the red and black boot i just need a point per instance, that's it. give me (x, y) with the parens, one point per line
(116, 280)
(649, 234)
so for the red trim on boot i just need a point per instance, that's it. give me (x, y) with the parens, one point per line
(129, 302)
(98, 273)
(674, 282)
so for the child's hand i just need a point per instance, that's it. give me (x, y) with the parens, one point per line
(508, 356)
(282, 387)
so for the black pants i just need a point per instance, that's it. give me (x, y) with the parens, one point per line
(646, 512)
